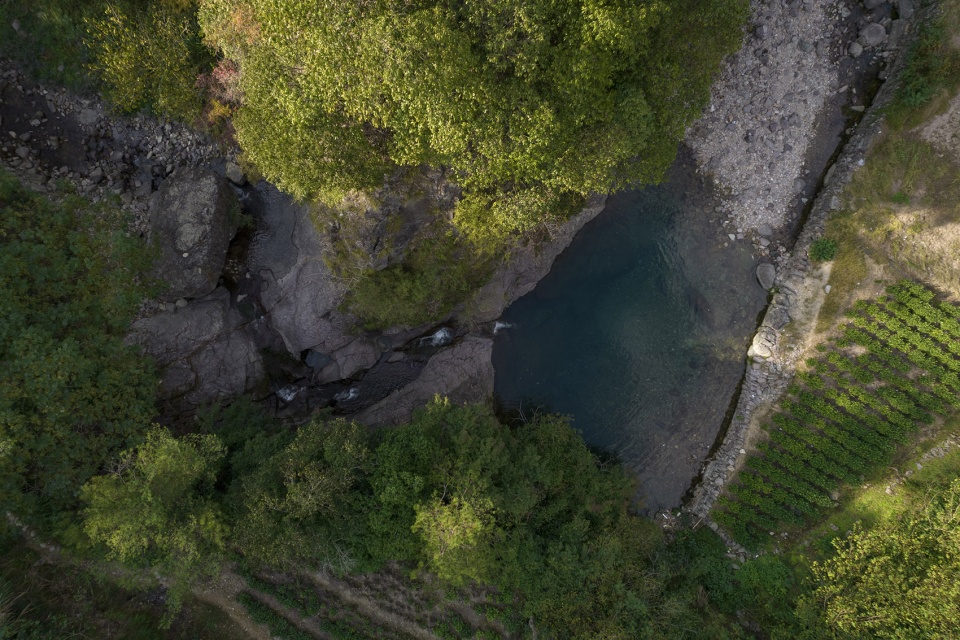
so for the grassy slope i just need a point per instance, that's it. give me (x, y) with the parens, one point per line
(902, 214)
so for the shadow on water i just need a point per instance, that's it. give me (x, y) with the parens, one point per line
(638, 333)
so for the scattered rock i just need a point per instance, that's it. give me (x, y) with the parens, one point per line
(766, 275)
(235, 174)
(905, 8)
(872, 35)
(88, 117)
(856, 49)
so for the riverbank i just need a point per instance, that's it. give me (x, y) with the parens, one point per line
(789, 326)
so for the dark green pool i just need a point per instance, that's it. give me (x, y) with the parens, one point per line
(639, 333)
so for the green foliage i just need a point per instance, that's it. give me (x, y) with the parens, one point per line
(49, 41)
(491, 219)
(437, 274)
(150, 57)
(71, 394)
(933, 64)
(567, 98)
(156, 509)
(53, 596)
(900, 198)
(305, 503)
(900, 579)
(823, 249)
(528, 510)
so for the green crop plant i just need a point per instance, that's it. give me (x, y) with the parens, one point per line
(791, 480)
(817, 480)
(795, 446)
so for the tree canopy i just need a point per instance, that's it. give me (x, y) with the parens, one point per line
(569, 97)
(900, 579)
(156, 508)
(71, 393)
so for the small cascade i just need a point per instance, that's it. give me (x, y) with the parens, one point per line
(441, 338)
(346, 396)
(289, 392)
(499, 326)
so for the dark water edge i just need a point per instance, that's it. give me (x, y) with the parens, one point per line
(639, 333)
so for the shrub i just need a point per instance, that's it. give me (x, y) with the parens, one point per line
(150, 59)
(823, 250)
(71, 394)
(436, 276)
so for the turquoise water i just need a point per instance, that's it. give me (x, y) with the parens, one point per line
(639, 333)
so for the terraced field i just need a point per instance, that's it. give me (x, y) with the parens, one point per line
(895, 367)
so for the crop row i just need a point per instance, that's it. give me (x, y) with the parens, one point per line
(948, 335)
(846, 414)
(905, 339)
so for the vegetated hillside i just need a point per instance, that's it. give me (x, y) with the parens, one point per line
(894, 368)
(523, 109)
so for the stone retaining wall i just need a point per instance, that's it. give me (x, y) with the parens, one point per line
(767, 377)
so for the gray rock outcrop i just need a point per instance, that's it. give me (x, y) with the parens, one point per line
(462, 373)
(358, 355)
(872, 35)
(202, 349)
(189, 220)
(297, 291)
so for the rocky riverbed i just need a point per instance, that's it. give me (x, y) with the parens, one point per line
(802, 62)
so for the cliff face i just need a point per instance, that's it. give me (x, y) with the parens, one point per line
(249, 302)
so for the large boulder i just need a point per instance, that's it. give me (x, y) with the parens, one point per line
(190, 221)
(766, 275)
(203, 350)
(462, 373)
(359, 355)
(296, 289)
(169, 336)
(227, 367)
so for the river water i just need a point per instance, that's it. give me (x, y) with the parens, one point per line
(639, 333)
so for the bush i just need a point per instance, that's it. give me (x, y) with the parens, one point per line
(823, 250)
(150, 59)
(933, 64)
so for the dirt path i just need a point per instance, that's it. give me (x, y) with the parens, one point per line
(223, 595)
(368, 607)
